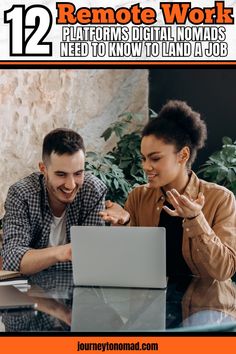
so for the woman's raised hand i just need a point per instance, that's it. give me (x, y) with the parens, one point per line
(183, 206)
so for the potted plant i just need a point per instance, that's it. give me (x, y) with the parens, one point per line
(120, 169)
(221, 165)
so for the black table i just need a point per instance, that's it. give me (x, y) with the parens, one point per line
(188, 304)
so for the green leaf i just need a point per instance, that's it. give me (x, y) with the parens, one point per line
(216, 157)
(231, 176)
(211, 169)
(118, 131)
(106, 134)
(152, 114)
(221, 166)
(116, 184)
(125, 163)
(91, 154)
(226, 140)
(133, 170)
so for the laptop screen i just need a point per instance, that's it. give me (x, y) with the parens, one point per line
(119, 256)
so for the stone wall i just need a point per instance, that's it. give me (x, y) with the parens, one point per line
(32, 102)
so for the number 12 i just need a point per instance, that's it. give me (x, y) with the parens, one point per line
(28, 30)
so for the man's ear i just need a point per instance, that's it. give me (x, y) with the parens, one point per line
(42, 167)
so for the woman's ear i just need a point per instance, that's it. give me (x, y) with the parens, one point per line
(184, 155)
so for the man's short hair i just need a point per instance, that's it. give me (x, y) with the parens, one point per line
(62, 141)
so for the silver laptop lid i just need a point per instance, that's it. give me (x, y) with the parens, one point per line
(119, 256)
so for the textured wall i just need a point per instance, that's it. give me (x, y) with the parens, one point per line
(32, 102)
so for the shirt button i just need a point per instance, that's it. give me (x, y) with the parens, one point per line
(197, 249)
(158, 208)
(187, 229)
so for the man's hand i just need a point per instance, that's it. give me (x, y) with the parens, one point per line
(64, 253)
(114, 214)
(183, 206)
(35, 260)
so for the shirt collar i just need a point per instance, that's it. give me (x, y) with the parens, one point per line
(159, 193)
(192, 188)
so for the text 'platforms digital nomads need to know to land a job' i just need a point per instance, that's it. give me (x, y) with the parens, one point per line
(118, 31)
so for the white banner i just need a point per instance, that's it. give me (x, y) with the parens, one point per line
(117, 31)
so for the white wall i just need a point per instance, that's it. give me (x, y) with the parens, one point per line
(32, 102)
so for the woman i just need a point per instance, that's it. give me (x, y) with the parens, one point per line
(199, 217)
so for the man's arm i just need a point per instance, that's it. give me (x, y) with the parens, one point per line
(17, 252)
(16, 230)
(34, 261)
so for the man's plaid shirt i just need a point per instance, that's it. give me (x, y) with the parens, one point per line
(28, 217)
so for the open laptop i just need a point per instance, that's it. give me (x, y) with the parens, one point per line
(119, 256)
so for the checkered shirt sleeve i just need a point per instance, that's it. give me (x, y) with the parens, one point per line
(16, 231)
(27, 220)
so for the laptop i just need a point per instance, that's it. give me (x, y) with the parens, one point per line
(119, 256)
(13, 299)
(118, 309)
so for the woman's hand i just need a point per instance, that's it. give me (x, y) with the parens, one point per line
(115, 214)
(183, 206)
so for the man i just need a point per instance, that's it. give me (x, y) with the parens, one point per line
(41, 208)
